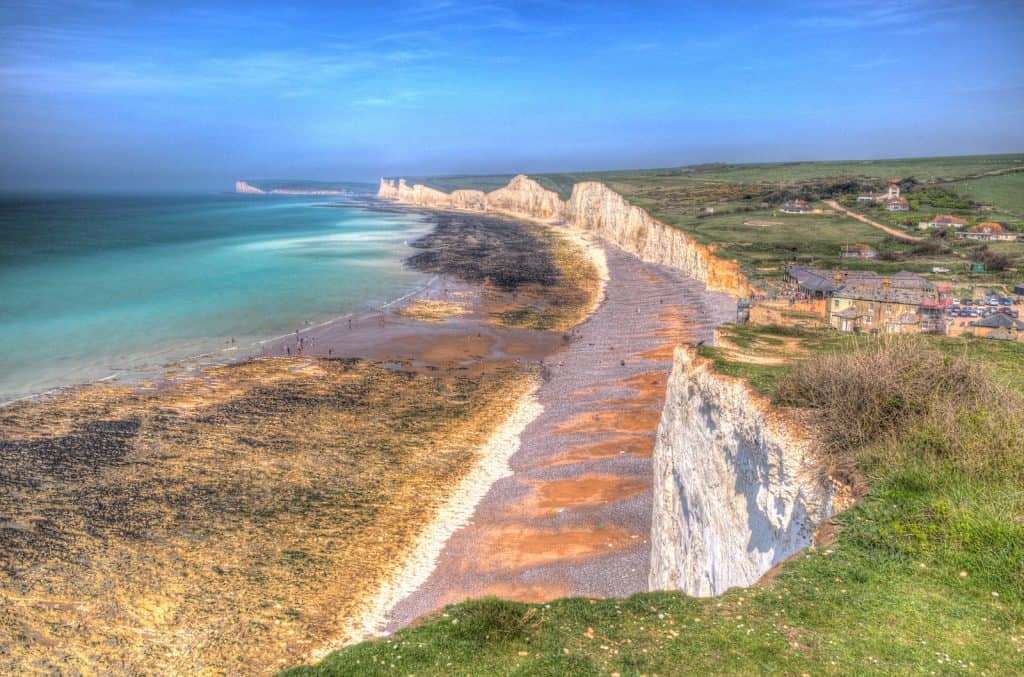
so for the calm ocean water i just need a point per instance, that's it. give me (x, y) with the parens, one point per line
(92, 286)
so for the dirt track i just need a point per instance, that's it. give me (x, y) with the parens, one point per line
(860, 217)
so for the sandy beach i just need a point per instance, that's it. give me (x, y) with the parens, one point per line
(469, 439)
(573, 518)
(242, 517)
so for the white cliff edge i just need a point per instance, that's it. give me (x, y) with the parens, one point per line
(592, 207)
(738, 487)
(246, 187)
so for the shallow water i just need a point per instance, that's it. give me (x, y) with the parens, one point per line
(94, 286)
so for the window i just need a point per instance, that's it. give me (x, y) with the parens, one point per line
(867, 319)
(835, 303)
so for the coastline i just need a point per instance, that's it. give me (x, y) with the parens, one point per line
(573, 518)
(246, 298)
(462, 349)
(458, 509)
(454, 513)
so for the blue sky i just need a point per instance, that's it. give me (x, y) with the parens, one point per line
(107, 93)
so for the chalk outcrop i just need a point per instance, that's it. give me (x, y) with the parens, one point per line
(246, 187)
(738, 487)
(592, 207)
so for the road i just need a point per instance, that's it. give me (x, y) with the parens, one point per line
(860, 217)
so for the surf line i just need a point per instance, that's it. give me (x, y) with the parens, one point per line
(325, 323)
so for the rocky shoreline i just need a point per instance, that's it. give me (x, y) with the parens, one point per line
(252, 512)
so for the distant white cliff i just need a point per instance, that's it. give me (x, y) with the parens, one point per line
(738, 486)
(246, 187)
(593, 207)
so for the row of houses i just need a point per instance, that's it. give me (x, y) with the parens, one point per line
(986, 231)
(903, 303)
(867, 301)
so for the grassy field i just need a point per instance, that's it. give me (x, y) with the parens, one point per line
(1006, 192)
(934, 169)
(735, 208)
(925, 575)
(744, 199)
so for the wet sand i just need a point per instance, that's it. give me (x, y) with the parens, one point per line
(239, 518)
(387, 335)
(574, 518)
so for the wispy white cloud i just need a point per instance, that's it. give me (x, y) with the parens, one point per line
(904, 16)
(283, 72)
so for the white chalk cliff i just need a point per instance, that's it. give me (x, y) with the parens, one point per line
(592, 207)
(246, 187)
(738, 486)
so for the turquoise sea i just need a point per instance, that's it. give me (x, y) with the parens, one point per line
(95, 286)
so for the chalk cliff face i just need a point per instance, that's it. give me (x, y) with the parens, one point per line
(245, 187)
(736, 486)
(525, 197)
(593, 207)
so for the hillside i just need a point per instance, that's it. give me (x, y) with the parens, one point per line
(925, 574)
(736, 209)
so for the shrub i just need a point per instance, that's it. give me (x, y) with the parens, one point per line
(897, 390)
(993, 260)
(927, 248)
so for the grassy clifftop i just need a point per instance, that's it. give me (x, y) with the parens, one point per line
(736, 208)
(924, 575)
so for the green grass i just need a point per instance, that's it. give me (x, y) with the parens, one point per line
(923, 169)
(738, 236)
(1004, 192)
(925, 576)
(745, 193)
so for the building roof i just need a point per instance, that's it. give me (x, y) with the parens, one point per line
(948, 219)
(812, 279)
(897, 201)
(909, 280)
(910, 297)
(987, 227)
(818, 280)
(848, 314)
(999, 321)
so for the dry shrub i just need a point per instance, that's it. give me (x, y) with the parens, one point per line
(897, 389)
